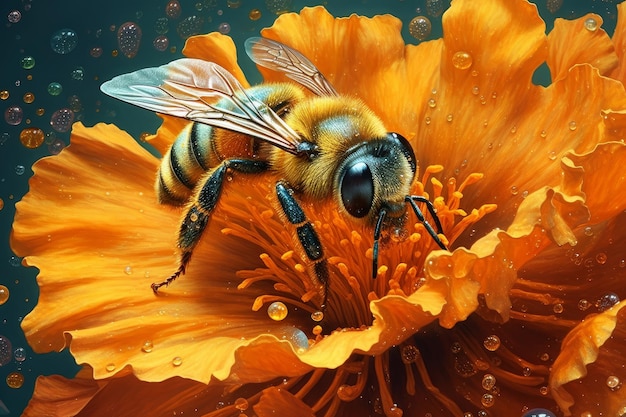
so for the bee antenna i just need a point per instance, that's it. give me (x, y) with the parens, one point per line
(379, 225)
(411, 199)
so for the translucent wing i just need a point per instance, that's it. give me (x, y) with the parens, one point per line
(281, 58)
(203, 92)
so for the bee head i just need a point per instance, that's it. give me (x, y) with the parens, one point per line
(376, 175)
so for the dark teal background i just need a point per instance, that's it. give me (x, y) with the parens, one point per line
(31, 37)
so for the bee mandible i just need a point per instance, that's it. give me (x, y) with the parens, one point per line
(322, 146)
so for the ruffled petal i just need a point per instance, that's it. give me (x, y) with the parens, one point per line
(619, 41)
(273, 399)
(588, 359)
(579, 41)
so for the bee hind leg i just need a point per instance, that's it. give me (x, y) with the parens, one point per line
(199, 212)
(307, 237)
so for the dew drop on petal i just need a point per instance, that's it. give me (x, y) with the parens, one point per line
(241, 404)
(129, 39)
(277, 311)
(177, 361)
(591, 24)
(15, 380)
(4, 293)
(420, 27)
(572, 125)
(110, 367)
(462, 60)
(491, 343)
(613, 382)
(64, 41)
(128, 270)
(147, 346)
(601, 258)
(488, 382)
(588, 231)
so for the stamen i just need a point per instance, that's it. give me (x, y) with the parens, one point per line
(339, 379)
(349, 393)
(445, 401)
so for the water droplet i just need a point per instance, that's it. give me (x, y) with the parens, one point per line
(487, 400)
(177, 361)
(317, 330)
(224, 28)
(28, 62)
(317, 316)
(64, 41)
(557, 308)
(449, 117)
(435, 8)
(462, 60)
(432, 103)
(62, 119)
(13, 115)
(475, 90)
(420, 27)
(147, 346)
(491, 343)
(591, 24)
(588, 231)
(128, 270)
(456, 347)
(129, 39)
(161, 43)
(110, 367)
(241, 404)
(189, 26)
(409, 354)
(514, 190)
(613, 382)
(488, 382)
(583, 304)
(552, 155)
(14, 16)
(539, 412)
(526, 371)
(6, 350)
(173, 9)
(19, 169)
(427, 120)
(255, 14)
(54, 88)
(32, 137)
(4, 294)
(277, 311)
(15, 380)
(20, 354)
(96, 52)
(543, 134)
(544, 357)
(607, 301)
(601, 258)
(543, 390)
(572, 125)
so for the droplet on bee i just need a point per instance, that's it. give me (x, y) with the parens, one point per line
(277, 311)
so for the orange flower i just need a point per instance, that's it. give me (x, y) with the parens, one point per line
(523, 313)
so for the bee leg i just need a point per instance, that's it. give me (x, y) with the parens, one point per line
(199, 212)
(307, 236)
(411, 199)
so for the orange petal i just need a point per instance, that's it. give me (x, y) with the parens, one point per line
(577, 41)
(589, 355)
(275, 399)
(619, 40)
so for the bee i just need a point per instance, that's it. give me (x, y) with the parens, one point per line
(323, 146)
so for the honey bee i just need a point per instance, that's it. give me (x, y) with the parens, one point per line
(322, 146)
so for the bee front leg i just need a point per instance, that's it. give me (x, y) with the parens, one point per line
(204, 201)
(307, 236)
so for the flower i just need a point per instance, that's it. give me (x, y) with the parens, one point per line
(523, 312)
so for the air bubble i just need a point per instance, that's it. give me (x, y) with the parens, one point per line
(409, 354)
(488, 382)
(607, 301)
(601, 258)
(488, 400)
(19, 354)
(491, 343)
(15, 380)
(4, 294)
(317, 316)
(613, 382)
(241, 404)
(539, 412)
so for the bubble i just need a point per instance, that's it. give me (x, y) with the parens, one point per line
(554, 5)
(75, 103)
(161, 25)
(539, 412)
(4, 291)
(64, 41)
(601, 258)
(462, 60)
(61, 120)
(19, 169)
(233, 4)
(110, 367)
(491, 343)
(317, 316)
(28, 62)
(14, 16)
(613, 382)
(277, 311)
(435, 8)
(15, 380)
(19, 354)
(54, 88)
(4, 94)
(15, 261)
(409, 354)
(173, 9)
(78, 74)
(420, 27)
(28, 97)
(488, 382)
(278, 6)
(224, 28)
(161, 43)
(298, 339)
(13, 115)
(129, 39)
(189, 26)
(241, 404)
(95, 52)
(572, 125)
(591, 24)
(255, 14)
(607, 301)
(6, 350)
(488, 400)
(32, 137)
(56, 146)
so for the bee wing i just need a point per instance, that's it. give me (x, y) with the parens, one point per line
(203, 92)
(281, 58)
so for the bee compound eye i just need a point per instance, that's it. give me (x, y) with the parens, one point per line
(357, 189)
